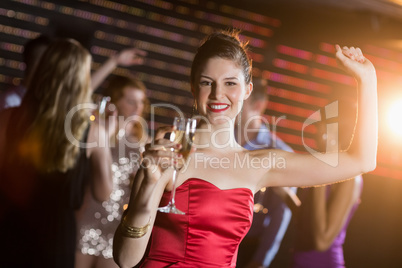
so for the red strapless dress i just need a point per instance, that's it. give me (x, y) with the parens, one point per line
(208, 235)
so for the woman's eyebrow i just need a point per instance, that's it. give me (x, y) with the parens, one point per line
(230, 78)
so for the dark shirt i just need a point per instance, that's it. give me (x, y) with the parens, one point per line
(37, 209)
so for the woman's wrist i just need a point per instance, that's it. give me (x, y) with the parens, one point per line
(132, 231)
(368, 78)
(114, 60)
(138, 216)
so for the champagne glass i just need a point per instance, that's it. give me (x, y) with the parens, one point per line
(102, 103)
(183, 134)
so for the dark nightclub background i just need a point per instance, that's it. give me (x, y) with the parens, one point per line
(292, 45)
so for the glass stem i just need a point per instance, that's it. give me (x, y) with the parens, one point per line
(173, 193)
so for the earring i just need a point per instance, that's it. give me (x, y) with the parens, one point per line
(194, 110)
(239, 118)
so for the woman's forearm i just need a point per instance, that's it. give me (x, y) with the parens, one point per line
(329, 213)
(364, 144)
(128, 251)
(103, 71)
(363, 148)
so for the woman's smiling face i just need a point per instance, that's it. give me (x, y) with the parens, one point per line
(220, 90)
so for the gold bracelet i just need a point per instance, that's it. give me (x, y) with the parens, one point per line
(133, 232)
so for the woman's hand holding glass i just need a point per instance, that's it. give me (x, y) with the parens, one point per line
(158, 157)
(162, 155)
(105, 114)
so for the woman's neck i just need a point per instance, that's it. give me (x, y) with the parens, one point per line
(209, 136)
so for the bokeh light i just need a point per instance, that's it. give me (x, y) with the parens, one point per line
(394, 118)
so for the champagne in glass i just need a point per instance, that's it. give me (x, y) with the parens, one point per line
(183, 134)
(185, 139)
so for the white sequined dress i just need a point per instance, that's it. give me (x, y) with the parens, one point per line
(97, 222)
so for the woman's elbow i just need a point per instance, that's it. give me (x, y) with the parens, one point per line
(120, 264)
(369, 166)
(323, 240)
(322, 245)
(123, 261)
(102, 194)
(103, 197)
(363, 163)
(123, 265)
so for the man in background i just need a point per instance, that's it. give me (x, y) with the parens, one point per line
(271, 213)
(33, 51)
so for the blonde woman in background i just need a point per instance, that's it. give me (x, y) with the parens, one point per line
(43, 168)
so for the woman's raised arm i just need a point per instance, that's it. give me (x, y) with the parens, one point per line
(360, 157)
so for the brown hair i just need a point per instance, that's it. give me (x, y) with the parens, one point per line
(114, 90)
(226, 45)
(118, 83)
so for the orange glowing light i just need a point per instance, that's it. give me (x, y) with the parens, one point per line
(395, 117)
